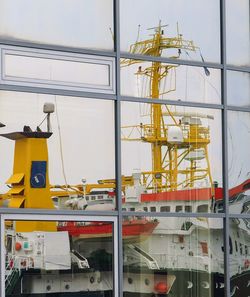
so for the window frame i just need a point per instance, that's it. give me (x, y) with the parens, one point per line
(58, 217)
(109, 62)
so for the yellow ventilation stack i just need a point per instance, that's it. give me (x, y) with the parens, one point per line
(30, 187)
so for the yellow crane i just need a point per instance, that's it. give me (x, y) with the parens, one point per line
(176, 138)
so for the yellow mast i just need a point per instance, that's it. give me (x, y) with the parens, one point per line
(165, 166)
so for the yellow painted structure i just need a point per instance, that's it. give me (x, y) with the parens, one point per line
(22, 195)
(168, 172)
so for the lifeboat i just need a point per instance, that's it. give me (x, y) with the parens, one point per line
(132, 228)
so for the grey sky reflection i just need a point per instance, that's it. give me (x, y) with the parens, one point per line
(78, 23)
(198, 21)
(238, 147)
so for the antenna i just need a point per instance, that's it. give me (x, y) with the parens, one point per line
(158, 27)
(178, 31)
(112, 34)
(138, 33)
(48, 108)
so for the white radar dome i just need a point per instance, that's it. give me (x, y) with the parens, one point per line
(175, 134)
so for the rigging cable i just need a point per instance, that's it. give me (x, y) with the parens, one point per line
(60, 146)
(42, 121)
(211, 85)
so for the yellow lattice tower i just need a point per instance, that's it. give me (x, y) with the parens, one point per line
(165, 166)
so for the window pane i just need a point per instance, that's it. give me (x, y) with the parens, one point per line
(238, 31)
(171, 82)
(173, 256)
(84, 23)
(54, 69)
(63, 258)
(194, 20)
(171, 158)
(238, 88)
(239, 257)
(238, 158)
(70, 165)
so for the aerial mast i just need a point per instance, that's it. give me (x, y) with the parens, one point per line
(164, 174)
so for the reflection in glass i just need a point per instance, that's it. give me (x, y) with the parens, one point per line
(178, 19)
(239, 249)
(61, 258)
(170, 82)
(178, 257)
(171, 160)
(84, 72)
(238, 158)
(42, 21)
(238, 88)
(238, 31)
(61, 169)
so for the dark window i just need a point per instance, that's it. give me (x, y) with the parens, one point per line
(188, 208)
(241, 249)
(230, 246)
(236, 246)
(165, 208)
(202, 208)
(178, 208)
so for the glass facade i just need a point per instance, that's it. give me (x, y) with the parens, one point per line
(175, 18)
(177, 257)
(238, 88)
(176, 82)
(238, 30)
(124, 148)
(80, 262)
(81, 126)
(238, 162)
(50, 23)
(239, 254)
(189, 178)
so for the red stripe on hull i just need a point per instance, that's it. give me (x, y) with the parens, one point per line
(180, 195)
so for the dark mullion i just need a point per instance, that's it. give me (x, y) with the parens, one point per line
(225, 148)
(238, 68)
(51, 91)
(239, 216)
(238, 108)
(226, 205)
(74, 50)
(118, 143)
(37, 211)
(146, 58)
